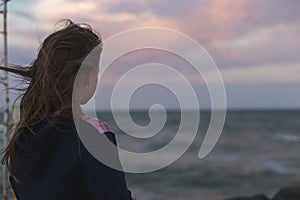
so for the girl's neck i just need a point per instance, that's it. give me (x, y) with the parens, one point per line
(68, 106)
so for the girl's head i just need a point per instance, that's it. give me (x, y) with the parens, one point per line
(52, 74)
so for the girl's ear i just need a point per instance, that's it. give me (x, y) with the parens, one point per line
(88, 86)
(89, 79)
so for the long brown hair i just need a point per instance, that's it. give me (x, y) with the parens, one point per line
(50, 77)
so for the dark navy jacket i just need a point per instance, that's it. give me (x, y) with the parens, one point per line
(55, 165)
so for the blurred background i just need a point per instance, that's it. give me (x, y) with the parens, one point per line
(255, 45)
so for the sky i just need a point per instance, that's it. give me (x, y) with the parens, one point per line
(255, 44)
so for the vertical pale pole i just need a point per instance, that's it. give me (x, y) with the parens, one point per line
(6, 107)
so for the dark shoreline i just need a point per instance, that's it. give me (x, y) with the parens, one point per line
(287, 193)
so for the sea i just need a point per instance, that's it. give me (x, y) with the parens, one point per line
(257, 152)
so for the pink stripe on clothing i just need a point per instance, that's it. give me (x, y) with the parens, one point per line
(100, 125)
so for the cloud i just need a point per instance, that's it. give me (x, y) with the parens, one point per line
(132, 7)
(221, 26)
(272, 12)
(251, 75)
(21, 14)
(96, 13)
(262, 74)
(162, 9)
(49, 10)
(21, 55)
(266, 45)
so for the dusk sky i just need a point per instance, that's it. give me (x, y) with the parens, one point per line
(255, 43)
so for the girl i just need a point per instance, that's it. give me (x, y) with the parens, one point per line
(45, 157)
